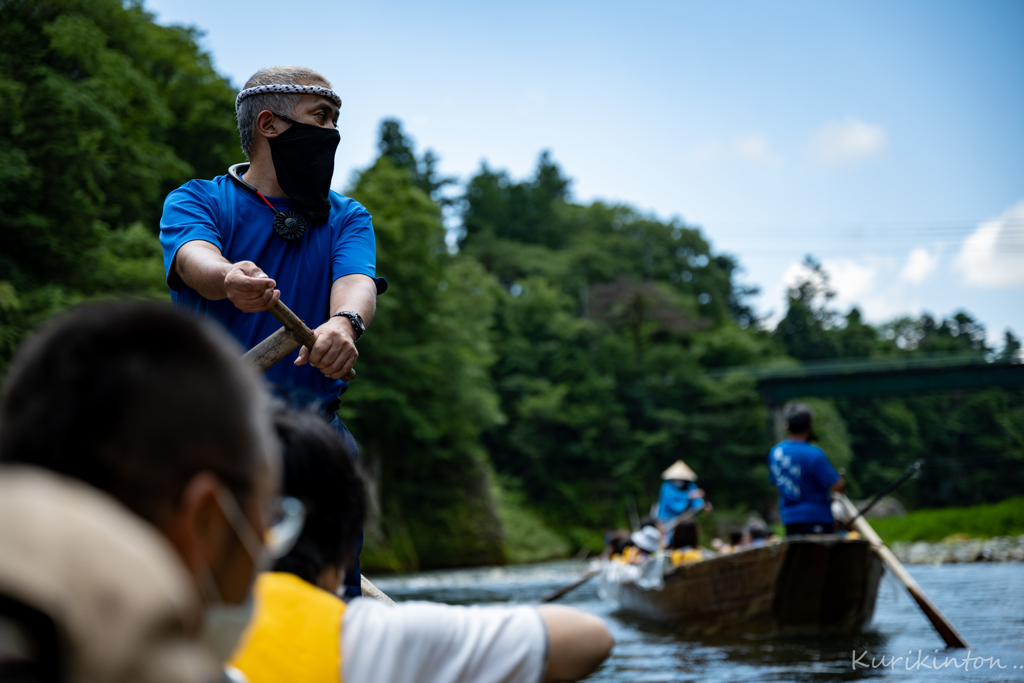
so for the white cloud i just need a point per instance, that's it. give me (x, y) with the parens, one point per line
(848, 278)
(754, 147)
(993, 255)
(921, 262)
(852, 281)
(866, 282)
(840, 143)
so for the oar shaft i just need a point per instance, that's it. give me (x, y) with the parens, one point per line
(371, 591)
(684, 516)
(945, 628)
(576, 584)
(290, 321)
(277, 346)
(911, 471)
(274, 348)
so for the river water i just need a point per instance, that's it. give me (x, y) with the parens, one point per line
(984, 601)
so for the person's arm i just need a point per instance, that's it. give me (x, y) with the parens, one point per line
(577, 643)
(201, 266)
(335, 350)
(433, 643)
(827, 475)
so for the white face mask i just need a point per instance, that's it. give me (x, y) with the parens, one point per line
(225, 624)
(224, 627)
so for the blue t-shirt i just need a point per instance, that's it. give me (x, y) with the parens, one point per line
(238, 223)
(674, 501)
(803, 475)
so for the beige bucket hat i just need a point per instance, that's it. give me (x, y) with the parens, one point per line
(679, 470)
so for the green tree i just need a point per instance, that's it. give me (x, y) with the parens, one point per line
(606, 323)
(423, 394)
(102, 111)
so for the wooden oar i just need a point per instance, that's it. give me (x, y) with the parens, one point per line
(684, 516)
(371, 591)
(576, 584)
(946, 630)
(911, 471)
(293, 334)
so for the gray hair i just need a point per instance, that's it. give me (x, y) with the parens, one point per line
(279, 103)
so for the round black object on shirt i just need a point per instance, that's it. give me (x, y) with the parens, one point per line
(289, 225)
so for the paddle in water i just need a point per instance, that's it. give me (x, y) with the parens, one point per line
(945, 628)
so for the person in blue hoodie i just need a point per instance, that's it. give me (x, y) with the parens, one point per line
(803, 475)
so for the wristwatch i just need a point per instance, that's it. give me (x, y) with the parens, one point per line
(357, 322)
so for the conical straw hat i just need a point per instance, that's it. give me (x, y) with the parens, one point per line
(679, 470)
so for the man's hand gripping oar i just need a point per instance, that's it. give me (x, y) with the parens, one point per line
(293, 334)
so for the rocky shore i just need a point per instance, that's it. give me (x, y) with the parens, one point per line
(959, 549)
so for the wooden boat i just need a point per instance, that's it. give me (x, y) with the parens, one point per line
(807, 585)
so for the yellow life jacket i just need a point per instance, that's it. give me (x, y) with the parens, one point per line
(686, 556)
(294, 635)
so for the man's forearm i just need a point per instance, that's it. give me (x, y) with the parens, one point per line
(335, 350)
(356, 293)
(201, 266)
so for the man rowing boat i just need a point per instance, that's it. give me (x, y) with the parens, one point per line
(680, 495)
(803, 475)
(273, 229)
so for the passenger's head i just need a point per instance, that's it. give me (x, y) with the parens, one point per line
(647, 538)
(650, 521)
(617, 541)
(758, 533)
(155, 409)
(736, 537)
(319, 471)
(799, 418)
(686, 534)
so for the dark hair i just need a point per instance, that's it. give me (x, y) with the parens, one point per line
(798, 417)
(686, 534)
(617, 541)
(320, 471)
(134, 398)
(735, 536)
(650, 521)
(757, 532)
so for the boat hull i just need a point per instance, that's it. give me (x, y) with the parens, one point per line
(807, 585)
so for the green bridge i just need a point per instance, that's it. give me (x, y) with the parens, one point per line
(876, 377)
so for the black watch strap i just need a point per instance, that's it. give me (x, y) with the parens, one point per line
(358, 326)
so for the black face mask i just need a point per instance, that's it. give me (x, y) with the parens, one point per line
(303, 159)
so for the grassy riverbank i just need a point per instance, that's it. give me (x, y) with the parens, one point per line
(980, 521)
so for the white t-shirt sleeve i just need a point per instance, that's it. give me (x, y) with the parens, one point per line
(434, 643)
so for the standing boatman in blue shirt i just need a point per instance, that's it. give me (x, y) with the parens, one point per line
(804, 476)
(273, 229)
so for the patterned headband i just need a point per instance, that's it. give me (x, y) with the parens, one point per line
(291, 89)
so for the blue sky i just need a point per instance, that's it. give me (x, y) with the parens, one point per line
(885, 138)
